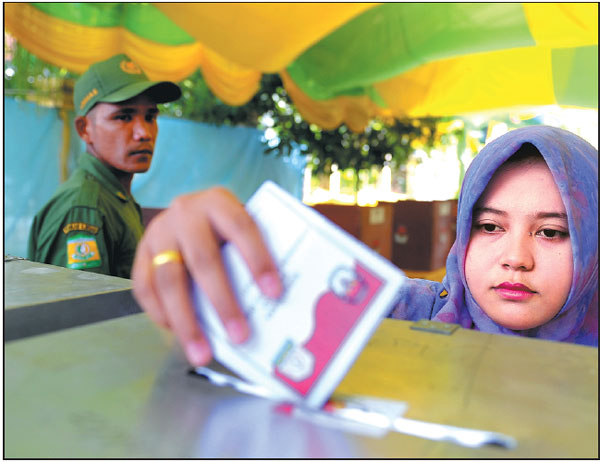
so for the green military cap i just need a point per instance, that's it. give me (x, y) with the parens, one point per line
(118, 79)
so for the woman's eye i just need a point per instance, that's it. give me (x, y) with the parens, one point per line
(125, 117)
(552, 233)
(489, 227)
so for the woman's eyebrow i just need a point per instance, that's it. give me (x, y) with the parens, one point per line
(538, 215)
(561, 215)
(480, 210)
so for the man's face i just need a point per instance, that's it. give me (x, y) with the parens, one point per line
(122, 135)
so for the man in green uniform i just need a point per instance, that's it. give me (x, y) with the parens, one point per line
(92, 222)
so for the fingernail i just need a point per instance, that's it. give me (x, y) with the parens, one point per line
(237, 330)
(270, 285)
(198, 353)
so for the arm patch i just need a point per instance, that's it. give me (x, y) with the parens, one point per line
(82, 252)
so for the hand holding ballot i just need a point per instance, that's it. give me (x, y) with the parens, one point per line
(303, 300)
(186, 239)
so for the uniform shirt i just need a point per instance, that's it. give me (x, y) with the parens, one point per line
(91, 223)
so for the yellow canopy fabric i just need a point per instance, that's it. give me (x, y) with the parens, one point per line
(339, 62)
(261, 36)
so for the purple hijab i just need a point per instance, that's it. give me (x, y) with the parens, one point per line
(574, 166)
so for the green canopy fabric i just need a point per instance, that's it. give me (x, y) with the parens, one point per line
(340, 62)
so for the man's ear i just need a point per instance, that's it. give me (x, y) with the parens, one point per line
(82, 124)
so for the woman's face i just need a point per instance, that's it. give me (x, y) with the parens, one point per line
(519, 262)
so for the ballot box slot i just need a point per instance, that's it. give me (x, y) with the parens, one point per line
(221, 379)
(434, 327)
(364, 415)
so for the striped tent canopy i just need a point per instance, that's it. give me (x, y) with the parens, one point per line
(339, 62)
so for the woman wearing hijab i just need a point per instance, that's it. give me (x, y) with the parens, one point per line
(525, 259)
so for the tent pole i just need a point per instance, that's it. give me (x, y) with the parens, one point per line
(66, 136)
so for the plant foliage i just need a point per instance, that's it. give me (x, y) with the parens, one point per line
(389, 141)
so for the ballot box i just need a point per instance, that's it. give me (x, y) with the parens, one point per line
(41, 298)
(370, 225)
(423, 233)
(121, 388)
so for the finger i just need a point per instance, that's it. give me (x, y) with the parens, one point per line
(170, 281)
(206, 267)
(143, 289)
(231, 222)
(174, 307)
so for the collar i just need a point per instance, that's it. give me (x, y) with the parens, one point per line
(95, 167)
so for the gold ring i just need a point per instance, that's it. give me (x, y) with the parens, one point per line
(167, 256)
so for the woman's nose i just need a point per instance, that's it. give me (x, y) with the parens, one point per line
(518, 252)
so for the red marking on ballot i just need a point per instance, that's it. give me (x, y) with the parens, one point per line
(336, 313)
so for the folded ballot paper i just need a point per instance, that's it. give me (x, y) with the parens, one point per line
(336, 291)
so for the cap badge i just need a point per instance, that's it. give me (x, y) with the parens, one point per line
(87, 97)
(130, 67)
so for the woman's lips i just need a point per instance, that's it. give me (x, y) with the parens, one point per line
(515, 292)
